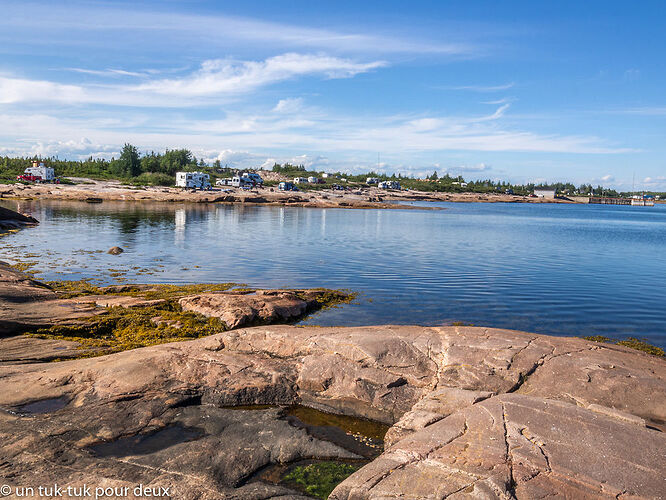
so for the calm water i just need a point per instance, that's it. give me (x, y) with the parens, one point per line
(559, 269)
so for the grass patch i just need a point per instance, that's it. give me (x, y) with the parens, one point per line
(632, 342)
(321, 478)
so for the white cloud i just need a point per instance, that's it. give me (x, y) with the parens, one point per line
(289, 105)
(215, 78)
(223, 76)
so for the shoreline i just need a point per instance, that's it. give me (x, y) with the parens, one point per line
(367, 198)
(451, 396)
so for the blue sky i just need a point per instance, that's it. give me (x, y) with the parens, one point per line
(521, 91)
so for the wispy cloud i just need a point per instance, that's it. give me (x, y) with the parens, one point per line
(74, 22)
(215, 78)
(224, 76)
(496, 115)
(308, 130)
(484, 88)
(107, 72)
(645, 110)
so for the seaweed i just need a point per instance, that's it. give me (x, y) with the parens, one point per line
(631, 342)
(320, 479)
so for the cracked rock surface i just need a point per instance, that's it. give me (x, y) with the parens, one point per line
(478, 412)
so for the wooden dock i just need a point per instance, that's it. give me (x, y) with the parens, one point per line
(600, 200)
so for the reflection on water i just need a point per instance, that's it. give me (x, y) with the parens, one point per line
(561, 269)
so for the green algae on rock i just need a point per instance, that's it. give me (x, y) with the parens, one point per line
(631, 342)
(319, 479)
(122, 317)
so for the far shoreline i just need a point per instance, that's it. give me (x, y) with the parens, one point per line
(93, 191)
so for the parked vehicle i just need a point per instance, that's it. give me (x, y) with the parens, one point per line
(338, 187)
(38, 173)
(300, 180)
(223, 182)
(195, 180)
(253, 177)
(372, 180)
(29, 178)
(239, 182)
(389, 185)
(287, 186)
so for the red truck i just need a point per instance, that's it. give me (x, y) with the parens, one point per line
(29, 178)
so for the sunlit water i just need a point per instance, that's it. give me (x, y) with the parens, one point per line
(548, 268)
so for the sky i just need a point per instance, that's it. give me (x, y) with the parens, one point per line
(521, 91)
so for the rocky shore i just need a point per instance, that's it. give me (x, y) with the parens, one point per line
(9, 219)
(99, 191)
(473, 412)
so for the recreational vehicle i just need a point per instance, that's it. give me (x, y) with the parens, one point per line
(195, 180)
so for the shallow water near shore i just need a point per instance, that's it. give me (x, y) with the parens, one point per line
(545, 268)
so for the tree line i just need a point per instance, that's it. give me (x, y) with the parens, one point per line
(160, 169)
(149, 168)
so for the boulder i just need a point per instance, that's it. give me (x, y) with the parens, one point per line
(261, 307)
(9, 219)
(115, 251)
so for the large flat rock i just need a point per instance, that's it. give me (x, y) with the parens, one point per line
(516, 446)
(483, 412)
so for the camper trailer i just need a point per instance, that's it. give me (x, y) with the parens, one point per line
(389, 185)
(38, 173)
(195, 180)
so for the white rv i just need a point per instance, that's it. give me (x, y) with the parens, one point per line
(313, 180)
(300, 180)
(389, 185)
(196, 180)
(38, 169)
(372, 180)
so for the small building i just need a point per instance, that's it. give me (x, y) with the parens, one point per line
(300, 180)
(195, 180)
(372, 180)
(544, 193)
(38, 169)
(389, 185)
(313, 180)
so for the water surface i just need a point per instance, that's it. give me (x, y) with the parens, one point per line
(546, 268)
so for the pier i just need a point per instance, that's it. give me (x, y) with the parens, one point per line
(640, 202)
